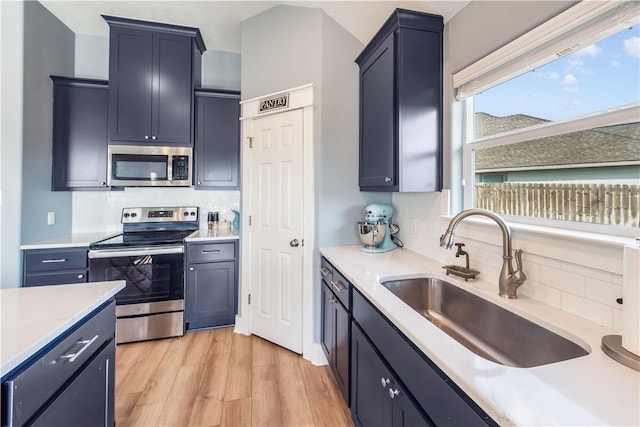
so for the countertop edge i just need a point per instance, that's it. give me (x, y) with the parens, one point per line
(109, 289)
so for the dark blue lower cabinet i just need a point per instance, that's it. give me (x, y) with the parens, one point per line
(377, 397)
(211, 295)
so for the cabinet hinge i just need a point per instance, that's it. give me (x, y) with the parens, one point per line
(249, 219)
(249, 299)
(250, 138)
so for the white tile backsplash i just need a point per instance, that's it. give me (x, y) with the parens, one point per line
(580, 289)
(100, 211)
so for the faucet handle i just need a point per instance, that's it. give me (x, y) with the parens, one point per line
(520, 274)
(459, 245)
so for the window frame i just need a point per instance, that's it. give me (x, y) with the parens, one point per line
(629, 113)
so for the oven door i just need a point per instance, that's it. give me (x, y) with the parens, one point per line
(152, 274)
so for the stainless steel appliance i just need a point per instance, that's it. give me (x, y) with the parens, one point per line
(149, 166)
(149, 255)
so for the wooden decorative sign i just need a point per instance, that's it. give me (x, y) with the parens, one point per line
(273, 103)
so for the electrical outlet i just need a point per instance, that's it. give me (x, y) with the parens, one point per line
(51, 218)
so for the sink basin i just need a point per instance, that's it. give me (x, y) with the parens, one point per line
(485, 328)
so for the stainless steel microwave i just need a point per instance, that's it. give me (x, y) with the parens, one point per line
(149, 166)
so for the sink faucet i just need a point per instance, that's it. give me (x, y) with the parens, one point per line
(510, 279)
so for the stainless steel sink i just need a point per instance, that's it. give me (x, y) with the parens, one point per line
(487, 329)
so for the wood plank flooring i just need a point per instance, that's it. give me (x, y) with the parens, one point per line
(218, 378)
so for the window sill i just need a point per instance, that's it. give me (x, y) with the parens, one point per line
(594, 250)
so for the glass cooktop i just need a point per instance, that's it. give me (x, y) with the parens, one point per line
(143, 238)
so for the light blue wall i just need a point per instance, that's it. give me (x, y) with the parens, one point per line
(48, 49)
(91, 57)
(286, 47)
(221, 70)
(11, 100)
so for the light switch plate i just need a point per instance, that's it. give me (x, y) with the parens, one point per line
(51, 218)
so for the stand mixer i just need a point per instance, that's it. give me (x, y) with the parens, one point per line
(376, 229)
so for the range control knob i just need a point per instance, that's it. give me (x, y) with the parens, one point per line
(133, 215)
(185, 213)
(193, 214)
(126, 215)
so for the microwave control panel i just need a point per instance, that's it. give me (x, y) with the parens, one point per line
(180, 168)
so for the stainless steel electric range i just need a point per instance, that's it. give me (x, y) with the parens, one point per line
(149, 255)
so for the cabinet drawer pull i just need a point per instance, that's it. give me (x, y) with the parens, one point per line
(338, 285)
(53, 261)
(73, 356)
(384, 381)
(212, 251)
(332, 299)
(387, 179)
(80, 276)
(393, 393)
(324, 271)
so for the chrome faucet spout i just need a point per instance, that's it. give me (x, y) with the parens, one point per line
(509, 279)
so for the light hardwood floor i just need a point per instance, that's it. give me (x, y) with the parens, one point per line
(218, 378)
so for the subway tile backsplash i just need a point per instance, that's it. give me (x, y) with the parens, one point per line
(100, 211)
(581, 290)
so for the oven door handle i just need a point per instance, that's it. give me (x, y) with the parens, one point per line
(153, 250)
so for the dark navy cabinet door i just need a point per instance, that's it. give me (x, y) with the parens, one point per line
(172, 119)
(377, 118)
(79, 134)
(335, 327)
(150, 87)
(370, 403)
(377, 399)
(327, 323)
(211, 297)
(130, 84)
(401, 105)
(217, 143)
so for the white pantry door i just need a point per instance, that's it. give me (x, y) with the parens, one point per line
(276, 228)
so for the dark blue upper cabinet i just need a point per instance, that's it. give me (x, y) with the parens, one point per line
(79, 159)
(401, 105)
(153, 70)
(217, 144)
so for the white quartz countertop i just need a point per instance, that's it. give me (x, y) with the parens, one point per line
(585, 391)
(35, 316)
(74, 240)
(205, 234)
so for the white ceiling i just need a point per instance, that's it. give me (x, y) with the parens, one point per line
(219, 21)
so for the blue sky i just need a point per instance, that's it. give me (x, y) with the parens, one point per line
(603, 75)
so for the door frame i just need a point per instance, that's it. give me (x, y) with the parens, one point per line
(300, 97)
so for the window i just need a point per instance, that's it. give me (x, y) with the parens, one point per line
(561, 140)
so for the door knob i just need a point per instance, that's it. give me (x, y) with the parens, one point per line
(294, 243)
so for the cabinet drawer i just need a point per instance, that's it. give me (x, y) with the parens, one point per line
(53, 260)
(326, 271)
(211, 252)
(34, 385)
(438, 395)
(55, 278)
(336, 282)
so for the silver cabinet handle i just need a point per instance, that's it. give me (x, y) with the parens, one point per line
(338, 285)
(73, 356)
(154, 137)
(294, 243)
(324, 271)
(393, 393)
(332, 299)
(384, 381)
(146, 137)
(190, 268)
(53, 261)
(387, 179)
(212, 251)
(80, 276)
(199, 183)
